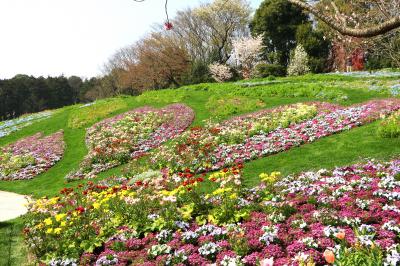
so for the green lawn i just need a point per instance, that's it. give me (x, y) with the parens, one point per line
(340, 149)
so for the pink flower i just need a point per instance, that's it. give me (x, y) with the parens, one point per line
(267, 262)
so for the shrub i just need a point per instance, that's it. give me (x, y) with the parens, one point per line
(220, 72)
(390, 127)
(298, 62)
(263, 70)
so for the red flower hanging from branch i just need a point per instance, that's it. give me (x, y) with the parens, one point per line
(167, 25)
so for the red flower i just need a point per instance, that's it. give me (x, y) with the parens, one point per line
(168, 25)
(80, 209)
(138, 183)
(200, 179)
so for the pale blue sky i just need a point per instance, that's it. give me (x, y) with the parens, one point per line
(73, 37)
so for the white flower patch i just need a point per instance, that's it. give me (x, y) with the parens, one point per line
(270, 234)
(309, 242)
(391, 226)
(363, 204)
(209, 249)
(157, 250)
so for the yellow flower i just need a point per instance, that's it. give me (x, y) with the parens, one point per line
(96, 205)
(233, 196)
(60, 216)
(57, 231)
(49, 231)
(270, 178)
(48, 221)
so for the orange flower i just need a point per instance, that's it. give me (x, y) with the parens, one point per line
(340, 235)
(329, 256)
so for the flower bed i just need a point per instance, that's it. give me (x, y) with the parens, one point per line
(348, 215)
(264, 133)
(30, 156)
(9, 126)
(195, 148)
(130, 135)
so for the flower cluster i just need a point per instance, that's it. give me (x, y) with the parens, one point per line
(313, 218)
(9, 126)
(131, 135)
(31, 156)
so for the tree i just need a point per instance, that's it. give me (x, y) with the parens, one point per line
(247, 51)
(75, 83)
(155, 62)
(316, 45)
(298, 62)
(385, 17)
(220, 72)
(277, 21)
(208, 30)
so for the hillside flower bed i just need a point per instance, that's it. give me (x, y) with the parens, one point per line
(195, 148)
(9, 126)
(347, 216)
(130, 135)
(264, 133)
(30, 156)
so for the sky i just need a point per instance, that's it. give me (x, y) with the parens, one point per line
(74, 37)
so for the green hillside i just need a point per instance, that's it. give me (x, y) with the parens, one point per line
(217, 101)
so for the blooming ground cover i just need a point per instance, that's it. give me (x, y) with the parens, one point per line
(30, 156)
(266, 132)
(345, 216)
(131, 135)
(9, 126)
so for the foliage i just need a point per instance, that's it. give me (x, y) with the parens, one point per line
(24, 94)
(220, 72)
(316, 45)
(277, 21)
(264, 70)
(390, 126)
(231, 105)
(298, 62)
(85, 115)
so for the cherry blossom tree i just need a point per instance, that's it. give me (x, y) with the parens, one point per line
(220, 72)
(246, 52)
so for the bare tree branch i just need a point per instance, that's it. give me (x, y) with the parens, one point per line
(382, 28)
